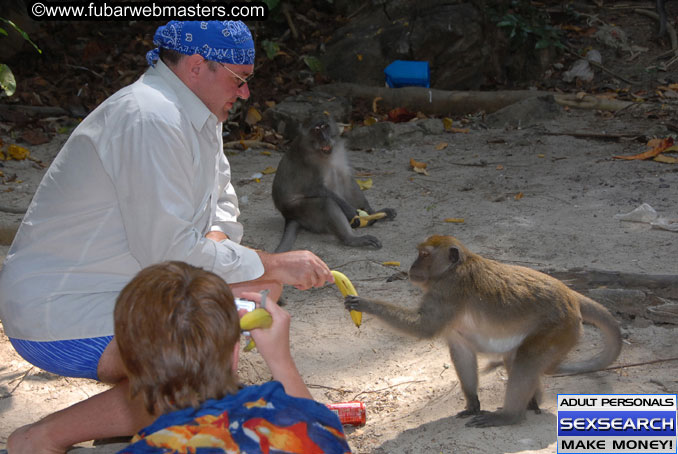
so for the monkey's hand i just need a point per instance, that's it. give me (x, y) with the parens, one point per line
(390, 213)
(356, 303)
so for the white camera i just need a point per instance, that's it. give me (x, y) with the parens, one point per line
(248, 305)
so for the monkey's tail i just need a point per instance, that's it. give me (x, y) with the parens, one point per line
(289, 235)
(596, 314)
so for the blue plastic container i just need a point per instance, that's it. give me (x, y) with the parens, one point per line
(404, 73)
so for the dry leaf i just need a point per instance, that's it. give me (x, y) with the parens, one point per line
(17, 152)
(455, 220)
(447, 123)
(390, 263)
(359, 57)
(414, 164)
(666, 159)
(581, 95)
(374, 103)
(265, 153)
(270, 104)
(370, 120)
(459, 130)
(364, 184)
(420, 170)
(441, 146)
(658, 146)
(400, 115)
(518, 196)
(541, 155)
(268, 170)
(253, 116)
(500, 167)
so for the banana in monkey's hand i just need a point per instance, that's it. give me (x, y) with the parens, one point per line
(346, 288)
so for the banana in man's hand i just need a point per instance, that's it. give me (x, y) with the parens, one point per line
(346, 288)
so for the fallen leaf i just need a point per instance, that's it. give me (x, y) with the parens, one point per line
(518, 196)
(447, 123)
(541, 155)
(666, 159)
(34, 137)
(500, 167)
(17, 152)
(268, 170)
(390, 263)
(270, 104)
(400, 115)
(364, 184)
(658, 146)
(265, 153)
(581, 95)
(441, 146)
(459, 130)
(253, 116)
(374, 103)
(359, 57)
(420, 170)
(455, 220)
(370, 120)
(416, 164)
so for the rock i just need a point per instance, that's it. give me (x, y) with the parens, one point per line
(531, 111)
(288, 116)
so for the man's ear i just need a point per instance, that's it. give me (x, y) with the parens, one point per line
(194, 64)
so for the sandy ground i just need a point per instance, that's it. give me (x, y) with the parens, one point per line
(570, 190)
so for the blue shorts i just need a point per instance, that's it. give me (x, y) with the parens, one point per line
(70, 358)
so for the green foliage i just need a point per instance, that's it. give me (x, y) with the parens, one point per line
(7, 80)
(526, 23)
(271, 48)
(20, 31)
(313, 63)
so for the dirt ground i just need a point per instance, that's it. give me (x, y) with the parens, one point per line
(526, 196)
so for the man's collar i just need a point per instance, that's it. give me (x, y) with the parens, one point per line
(196, 110)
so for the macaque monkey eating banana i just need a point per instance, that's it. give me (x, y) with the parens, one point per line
(482, 306)
(314, 189)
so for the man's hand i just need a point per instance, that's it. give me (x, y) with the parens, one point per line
(216, 235)
(302, 269)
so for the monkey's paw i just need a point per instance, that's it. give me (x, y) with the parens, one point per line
(473, 412)
(493, 419)
(390, 213)
(364, 241)
(355, 303)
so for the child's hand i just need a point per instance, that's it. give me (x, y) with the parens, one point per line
(273, 343)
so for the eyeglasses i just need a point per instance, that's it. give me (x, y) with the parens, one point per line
(242, 80)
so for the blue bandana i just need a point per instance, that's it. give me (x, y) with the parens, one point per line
(222, 41)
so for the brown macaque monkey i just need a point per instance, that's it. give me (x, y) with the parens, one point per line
(482, 306)
(314, 188)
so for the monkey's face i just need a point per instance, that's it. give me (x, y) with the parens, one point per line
(432, 262)
(322, 136)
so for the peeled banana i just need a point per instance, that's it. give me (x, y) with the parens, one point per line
(258, 318)
(362, 219)
(346, 288)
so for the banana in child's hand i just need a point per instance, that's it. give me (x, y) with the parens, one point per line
(346, 288)
(258, 318)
